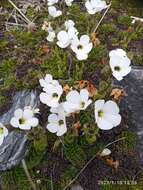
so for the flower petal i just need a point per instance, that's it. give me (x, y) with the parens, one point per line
(52, 127)
(99, 104)
(114, 119)
(14, 122)
(73, 97)
(84, 39)
(61, 130)
(53, 118)
(18, 113)
(84, 94)
(33, 122)
(104, 124)
(111, 107)
(28, 113)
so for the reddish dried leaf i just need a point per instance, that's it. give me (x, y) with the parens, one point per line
(94, 39)
(112, 163)
(117, 94)
(86, 84)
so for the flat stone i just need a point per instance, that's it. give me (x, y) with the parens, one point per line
(16, 144)
(133, 85)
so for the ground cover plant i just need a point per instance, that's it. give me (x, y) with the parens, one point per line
(70, 52)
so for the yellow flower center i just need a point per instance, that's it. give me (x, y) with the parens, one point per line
(61, 122)
(100, 113)
(21, 121)
(1, 131)
(117, 68)
(55, 95)
(79, 47)
(82, 104)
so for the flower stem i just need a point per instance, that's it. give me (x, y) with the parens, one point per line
(26, 19)
(28, 175)
(102, 18)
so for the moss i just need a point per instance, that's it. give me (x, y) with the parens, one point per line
(3, 44)
(2, 100)
(56, 64)
(138, 60)
(69, 173)
(75, 155)
(15, 179)
(107, 29)
(129, 142)
(7, 66)
(125, 20)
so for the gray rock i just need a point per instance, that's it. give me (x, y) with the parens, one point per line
(16, 144)
(20, 100)
(13, 150)
(133, 85)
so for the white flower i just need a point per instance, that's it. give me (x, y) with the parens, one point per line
(24, 119)
(69, 24)
(107, 114)
(3, 133)
(51, 36)
(119, 63)
(94, 6)
(65, 37)
(81, 47)
(59, 110)
(105, 152)
(54, 12)
(69, 2)
(76, 101)
(53, 91)
(52, 95)
(57, 124)
(48, 80)
(52, 2)
(51, 33)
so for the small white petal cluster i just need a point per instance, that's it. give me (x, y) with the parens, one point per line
(53, 11)
(81, 47)
(76, 101)
(66, 36)
(3, 133)
(24, 119)
(51, 33)
(52, 91)
(105, 152)
(107, 114)
(69, 37)
(57, 121)
(119, 63)
(69, 2)
(94, 6)
(48, 28)
(52, 2)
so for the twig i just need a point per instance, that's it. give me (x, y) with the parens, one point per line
(102, 18)
(28, 175)
(16, 24)
(26, 19)
(136, 19)
(115, 141)
(76, 177)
